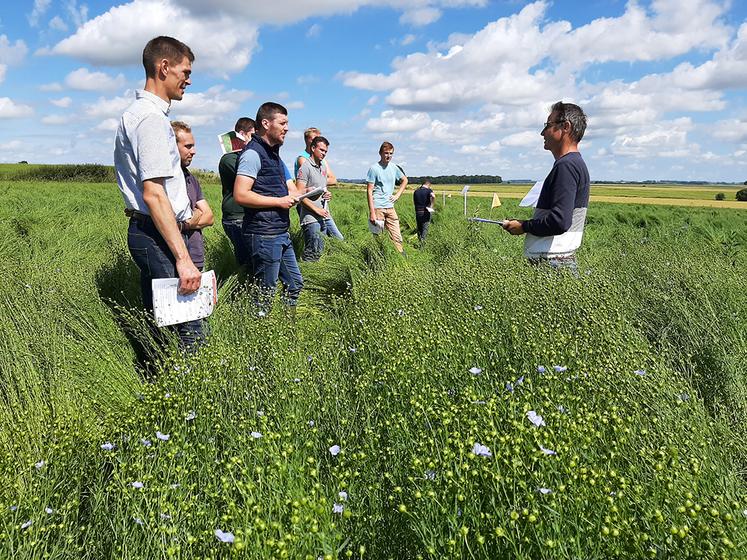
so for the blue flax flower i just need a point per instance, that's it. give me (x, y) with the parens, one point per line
(481, 450)
(535, 419)
(226, 537)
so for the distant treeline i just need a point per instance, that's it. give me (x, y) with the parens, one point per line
(457, 179)
(79, 173)
(76, 173)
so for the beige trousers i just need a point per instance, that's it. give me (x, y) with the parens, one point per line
(391, 224)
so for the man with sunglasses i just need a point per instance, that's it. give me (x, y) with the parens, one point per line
(555, 231)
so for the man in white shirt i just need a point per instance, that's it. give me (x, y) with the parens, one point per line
(149, 174)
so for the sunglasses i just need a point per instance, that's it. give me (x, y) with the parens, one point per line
(548, 123)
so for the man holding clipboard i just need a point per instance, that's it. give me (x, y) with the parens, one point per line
(555, 231)
(315, 217)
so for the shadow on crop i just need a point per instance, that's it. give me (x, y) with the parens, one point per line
(118, 285)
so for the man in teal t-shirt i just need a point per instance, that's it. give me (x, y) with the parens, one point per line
(381, 179)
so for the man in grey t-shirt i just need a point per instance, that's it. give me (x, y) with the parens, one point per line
(316, 220)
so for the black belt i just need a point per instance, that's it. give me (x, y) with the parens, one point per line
(146, 218)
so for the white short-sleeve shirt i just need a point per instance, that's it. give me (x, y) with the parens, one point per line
(145, 148)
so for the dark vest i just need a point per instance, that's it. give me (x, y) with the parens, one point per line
(270, 181)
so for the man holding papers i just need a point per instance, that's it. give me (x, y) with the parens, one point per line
(316, 220)
(265, 188)
(555, 231)
(150, 177)
(381, 179)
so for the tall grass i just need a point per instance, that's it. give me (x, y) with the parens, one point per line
(405, 364)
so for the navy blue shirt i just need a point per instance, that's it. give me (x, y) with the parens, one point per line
(422, 198)
(565, 189)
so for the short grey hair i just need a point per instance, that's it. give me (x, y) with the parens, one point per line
(574, 115)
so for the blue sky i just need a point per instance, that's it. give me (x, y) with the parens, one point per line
(459, 86)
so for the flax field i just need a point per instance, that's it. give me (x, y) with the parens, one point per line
(452, 403)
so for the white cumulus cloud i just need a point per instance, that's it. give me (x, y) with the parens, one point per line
(420, 16)
(109, 107)
(62, 102)
(661, 139)
(56, 120)
(222, 42)
(12, 52)
(9, 109)
(84, 80)
(298, 10)
(210, 106)
(54, 86)
(398, 121)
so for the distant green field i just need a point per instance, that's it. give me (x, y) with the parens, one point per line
(665, 195)
(695, 192)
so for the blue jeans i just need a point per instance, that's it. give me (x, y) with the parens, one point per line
(154, 259)
(233, 231)
(272, 258)
(313, 237)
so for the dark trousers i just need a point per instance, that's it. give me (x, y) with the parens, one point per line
(154, 259)
(423, 220)
(233, 231)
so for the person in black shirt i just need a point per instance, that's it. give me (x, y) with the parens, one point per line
(423, 198)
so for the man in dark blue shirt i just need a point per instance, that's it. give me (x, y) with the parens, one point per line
(423, 198)
(265, 188)
(555, 231)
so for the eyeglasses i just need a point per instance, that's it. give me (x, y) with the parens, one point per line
(548, 123)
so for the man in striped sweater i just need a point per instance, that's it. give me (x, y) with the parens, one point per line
(555, 231)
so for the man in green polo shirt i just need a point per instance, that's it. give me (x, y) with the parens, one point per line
(233, 213)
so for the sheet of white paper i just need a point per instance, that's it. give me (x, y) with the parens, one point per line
(171, 308)
(312, 193)
(465, 189)
(430, 209)
(530, 199)
(377, 227)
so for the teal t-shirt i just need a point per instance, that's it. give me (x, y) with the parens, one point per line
(383, 179)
